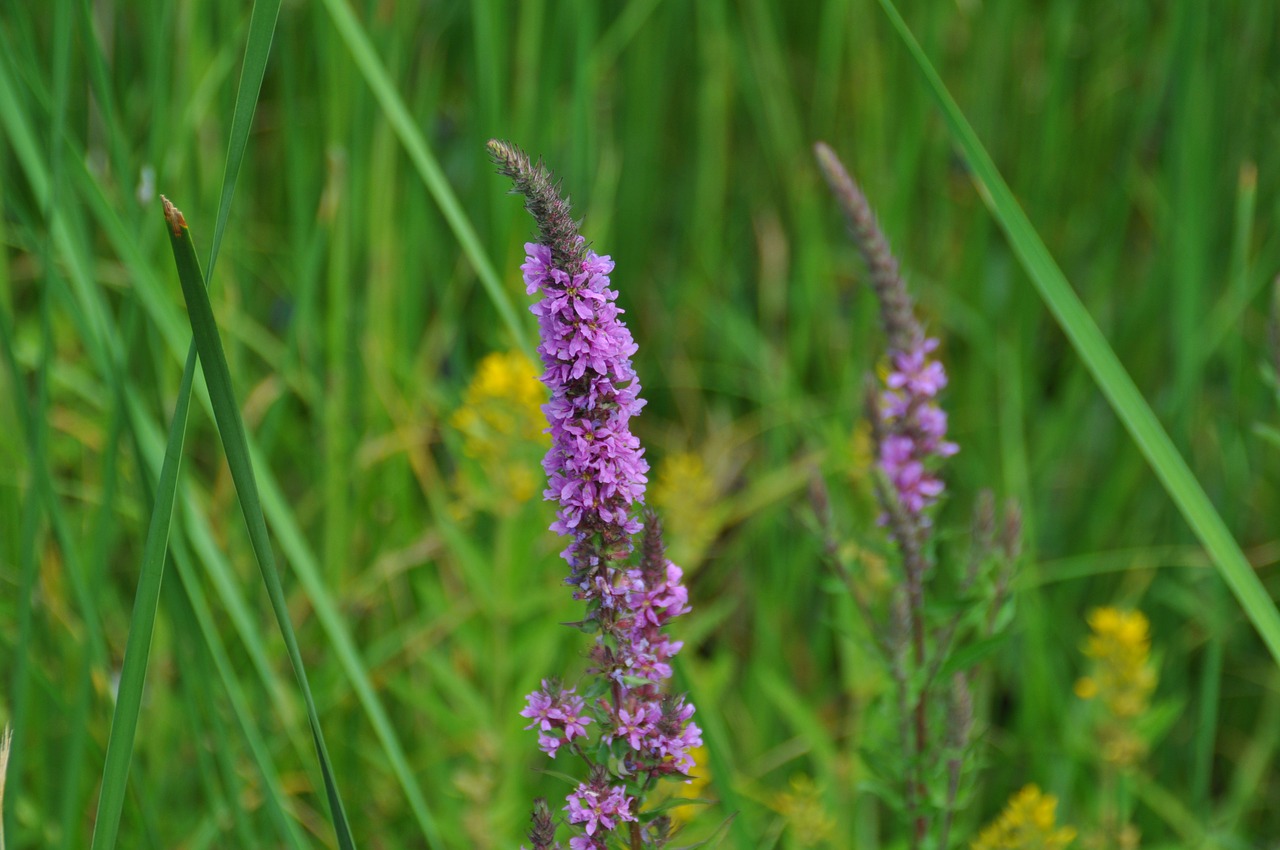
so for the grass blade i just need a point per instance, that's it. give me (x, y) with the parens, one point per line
(133, 674)
(307, 570)
(213, 362)
(415, 144)
(262, 27)
(1087, 339)
(124, 721)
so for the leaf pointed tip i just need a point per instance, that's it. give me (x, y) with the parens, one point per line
(173, 216)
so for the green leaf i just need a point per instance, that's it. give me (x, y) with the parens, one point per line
(1097, 356)
(213, 362)
(969, 655)
(262, 28)
(124, 720)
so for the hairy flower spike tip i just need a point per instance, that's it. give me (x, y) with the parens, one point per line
(552, 212)
(542, 834)
(895, 303)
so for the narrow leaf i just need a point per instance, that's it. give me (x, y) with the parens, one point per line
(213, 362)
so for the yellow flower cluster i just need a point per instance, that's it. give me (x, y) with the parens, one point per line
(501, 424)
(806, 816)
(1027, 823)
(1121, 678)
(683, 490)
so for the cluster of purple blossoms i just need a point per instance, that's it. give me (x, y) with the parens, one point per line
(555, 709)
(597, 474)
(601, 807)
(595, 468)
(596, 471)
(914, 427)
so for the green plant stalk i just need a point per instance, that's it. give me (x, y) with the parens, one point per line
(1097, 356)
(119, 753)
(217, 374)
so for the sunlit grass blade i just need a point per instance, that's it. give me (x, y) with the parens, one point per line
(415, 144)
(1097, 355)
(226, 411)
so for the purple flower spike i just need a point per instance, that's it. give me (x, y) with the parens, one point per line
(909, 426)
(597, 474)
(914, 427)
(595, 468)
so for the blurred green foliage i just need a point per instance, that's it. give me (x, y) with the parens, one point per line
(1141, 138)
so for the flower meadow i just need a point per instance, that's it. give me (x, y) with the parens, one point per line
(911, 489)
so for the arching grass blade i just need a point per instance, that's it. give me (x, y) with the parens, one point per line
(1096, 353)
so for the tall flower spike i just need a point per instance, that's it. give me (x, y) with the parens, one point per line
(912, 427)
(597, 473)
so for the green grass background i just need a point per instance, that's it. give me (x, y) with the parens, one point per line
(1140, 138)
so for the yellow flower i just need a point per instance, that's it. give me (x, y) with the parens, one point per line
(692, 789)
(1027, 823)
(683, 492)
(806, 817)
(501, 425)
(1121, 679)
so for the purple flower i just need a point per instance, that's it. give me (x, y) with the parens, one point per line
(595, 468)
(914, 427)
(598, 806)
(554, 708)
(636, 726)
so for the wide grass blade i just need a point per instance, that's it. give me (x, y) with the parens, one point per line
(213, 362)
(1089, 342)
